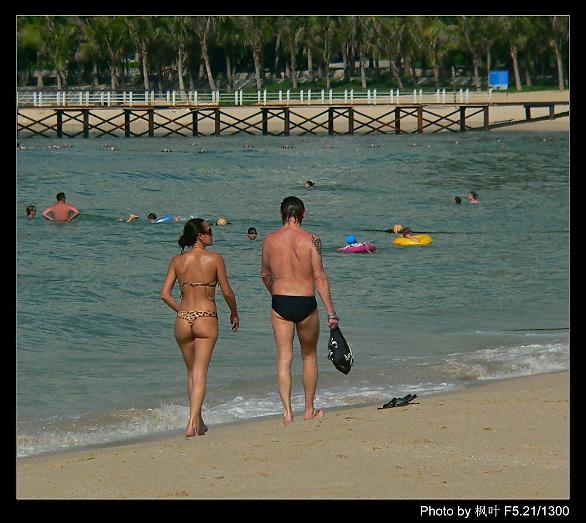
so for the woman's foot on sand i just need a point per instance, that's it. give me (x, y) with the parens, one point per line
(314, 414)
(287, 419)
(195, 431)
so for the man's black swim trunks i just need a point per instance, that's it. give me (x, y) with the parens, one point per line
(294, 308)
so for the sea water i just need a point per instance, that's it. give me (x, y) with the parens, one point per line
(97, 362)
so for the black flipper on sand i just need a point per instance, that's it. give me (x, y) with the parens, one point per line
(399, 402)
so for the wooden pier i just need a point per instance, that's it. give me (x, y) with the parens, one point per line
(276, 120)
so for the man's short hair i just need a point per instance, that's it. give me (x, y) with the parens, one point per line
(251, 230)
(60, 196)
(292, 207)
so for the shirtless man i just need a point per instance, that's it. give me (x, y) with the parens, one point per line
(61, 211)
(292, 268)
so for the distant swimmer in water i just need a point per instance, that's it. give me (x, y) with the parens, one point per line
(457, 199)
(251, 233)
(473, 197)
(152, 217)
(408, 233)
(309, 184)
(31, 211)
(131, 218)
(222, 221)
(61, 211)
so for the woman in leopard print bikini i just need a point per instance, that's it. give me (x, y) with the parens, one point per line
(198, 271)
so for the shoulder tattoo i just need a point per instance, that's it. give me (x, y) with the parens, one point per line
(317, 244)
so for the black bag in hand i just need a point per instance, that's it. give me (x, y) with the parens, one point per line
(339, 351)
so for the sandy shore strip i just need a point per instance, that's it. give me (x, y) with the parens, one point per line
(504, 440)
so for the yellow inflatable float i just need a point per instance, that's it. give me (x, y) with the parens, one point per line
(424, 239)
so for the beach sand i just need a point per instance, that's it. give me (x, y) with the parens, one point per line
(180, 119)
(504, 440)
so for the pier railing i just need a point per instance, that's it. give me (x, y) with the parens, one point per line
(241, 98)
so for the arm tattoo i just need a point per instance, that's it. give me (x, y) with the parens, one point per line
(317, 244)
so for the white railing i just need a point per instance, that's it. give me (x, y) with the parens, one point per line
(242, 98)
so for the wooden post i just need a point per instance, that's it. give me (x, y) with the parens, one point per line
(151, 123)
(486, 119)
(127, 123)
(330, 121)
(420, 119)
(194, 120)
(217, 115)
(552, 112)
(397, 120)
(351, 120)
(527, 112)
(59, 123)
(265, 127)
(462, 118)
(86, 123)
(286, 119)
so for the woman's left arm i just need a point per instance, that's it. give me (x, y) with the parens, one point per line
(228, 293)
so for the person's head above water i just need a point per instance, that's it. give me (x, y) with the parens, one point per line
(60, 197)
(457, 199)
(407, 232)
(194, 230)
(292, 207)
(152, 217)
(251, 233)
(31, 211)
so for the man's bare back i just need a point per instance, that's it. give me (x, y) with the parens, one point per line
(288, 253)
(61, 211)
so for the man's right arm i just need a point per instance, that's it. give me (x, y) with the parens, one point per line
(47, 212)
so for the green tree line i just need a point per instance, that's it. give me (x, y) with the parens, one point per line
(190, 52)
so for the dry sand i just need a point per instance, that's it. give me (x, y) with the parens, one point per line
(505, 440)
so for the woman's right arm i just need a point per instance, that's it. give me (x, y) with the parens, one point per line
(166, 295)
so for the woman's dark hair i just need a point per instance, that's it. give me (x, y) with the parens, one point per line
(190, 231)
(292, 207)
(407, 231)
(30, 209)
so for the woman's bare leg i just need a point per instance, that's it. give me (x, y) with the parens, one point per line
(196, 344)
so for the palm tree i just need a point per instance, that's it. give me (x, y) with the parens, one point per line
(142, 30)
(516, 38)
(558, 39)
(438, 38)
(470, 29)
(204, 27)
(254, 27)
(30, 31)
(180, 30)
(230, 38)
(293, 27)
(61, 43)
